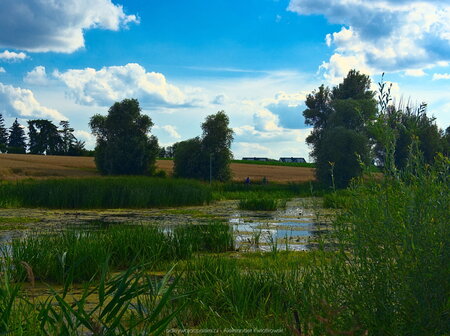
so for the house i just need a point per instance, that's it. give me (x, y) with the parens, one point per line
(255, 159)
(293, 159)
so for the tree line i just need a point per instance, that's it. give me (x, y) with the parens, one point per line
(125, 145)
(44, 137)
(352, 129)
(351, 126)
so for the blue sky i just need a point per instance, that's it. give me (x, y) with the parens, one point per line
(183, 60)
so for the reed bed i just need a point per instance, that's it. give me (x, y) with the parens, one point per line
(261, 203)
(104, 192)
(78, 256)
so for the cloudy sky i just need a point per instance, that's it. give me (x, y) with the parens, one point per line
(184, 60)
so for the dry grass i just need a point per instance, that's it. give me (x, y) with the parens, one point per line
(19, 166)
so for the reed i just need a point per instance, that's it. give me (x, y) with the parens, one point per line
(262, 203)
(77, 256)
(104, 192)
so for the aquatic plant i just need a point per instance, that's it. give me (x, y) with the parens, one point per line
(104, 192)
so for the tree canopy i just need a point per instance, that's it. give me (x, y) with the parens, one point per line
(339, 139)
(3, 135)
(208, 156)
(17, 140)
(124, 145)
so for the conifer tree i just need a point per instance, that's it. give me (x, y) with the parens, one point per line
(3, 135)
(17, 139)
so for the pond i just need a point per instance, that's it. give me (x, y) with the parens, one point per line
(297, 227)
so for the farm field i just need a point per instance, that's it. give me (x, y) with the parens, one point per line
(19, 166)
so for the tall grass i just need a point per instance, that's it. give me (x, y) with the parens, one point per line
(391, 273)
(130, 303)
(262, 203)
(76, 256)
(235, 190)
(104, 192)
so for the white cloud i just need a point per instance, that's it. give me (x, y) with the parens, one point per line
(172, 131)
(18, 102)
(88, 138)
(37, 76)
(110, 84)
(56, 25)
(415, 73)
(2, 69)
(383, 35)
(11, 56)
(438, 76)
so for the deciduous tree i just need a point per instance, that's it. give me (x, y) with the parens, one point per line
(124, 145)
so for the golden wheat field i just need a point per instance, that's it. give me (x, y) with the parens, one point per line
(20, 166)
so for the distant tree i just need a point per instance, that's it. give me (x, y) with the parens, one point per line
(210, 154)
(162, 153)
(44, 137)
(216, 146)
(71, 146)
(170, 150)
(3, 135)
(17, 139)
(188, 159)
(408, 123)
(124, 146)
(340, 116)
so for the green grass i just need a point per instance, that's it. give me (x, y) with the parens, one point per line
(261, 203)
(78, 256)
(387, 272)
(235, 190)
(104, 192)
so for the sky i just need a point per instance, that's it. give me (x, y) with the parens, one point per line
(183, 60)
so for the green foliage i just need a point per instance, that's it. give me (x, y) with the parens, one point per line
(123, 144)
(106, 192)
(261, 202)
(209, 156)
(390, 273)
(3, 135)
(80, 255)
(44, 138)
(339, 140)
(130, 303)
(16, 140)
(188, 158)
(340, 152)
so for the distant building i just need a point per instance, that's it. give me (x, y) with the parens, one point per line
(255, 159)
(293, 159)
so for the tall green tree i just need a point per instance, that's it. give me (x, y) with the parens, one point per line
(340, 117)
(44, 137)
(70, 146)
(17, 139)
(3, 135)
(208, 156)
(189, 159)
(216, 144)
(124, 146)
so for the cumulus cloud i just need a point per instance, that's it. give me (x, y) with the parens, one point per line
(37, 76)
(219, 100)
(11, 56)
(438, 76)
(88, 138)
(58, 25)
(110, 84)
(383, 35)
(172, 131)
(18, 102)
